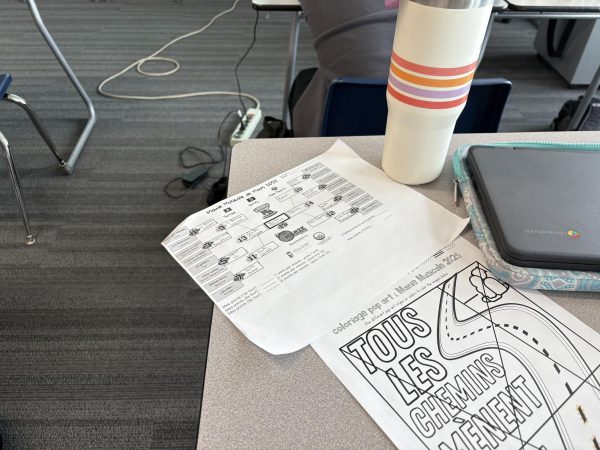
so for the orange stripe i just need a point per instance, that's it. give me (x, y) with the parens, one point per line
(430, 82)
(425, 104)
(435, 71)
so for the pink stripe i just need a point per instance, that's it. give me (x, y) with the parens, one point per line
(435, 71)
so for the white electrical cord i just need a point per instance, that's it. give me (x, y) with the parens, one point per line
(154, 57)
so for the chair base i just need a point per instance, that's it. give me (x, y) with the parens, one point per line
(73, 157)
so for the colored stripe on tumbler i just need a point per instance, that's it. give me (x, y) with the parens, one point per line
(428, 93)
(434, 71)
(430, 82)
(424, 103)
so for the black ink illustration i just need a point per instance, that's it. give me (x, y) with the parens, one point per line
(491, 289)
(239, 276)
(285, 236)
(486, 368)
(265, 211)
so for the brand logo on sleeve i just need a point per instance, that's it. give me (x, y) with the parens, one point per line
(556, 234)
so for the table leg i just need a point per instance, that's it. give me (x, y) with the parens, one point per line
(585, 102)
(291, 62)
(74, 155)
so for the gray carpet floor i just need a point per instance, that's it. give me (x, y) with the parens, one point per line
(102, 337)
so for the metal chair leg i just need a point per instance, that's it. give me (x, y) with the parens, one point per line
(14, 178)
(585, 102)
(85, 134)
(37, 123)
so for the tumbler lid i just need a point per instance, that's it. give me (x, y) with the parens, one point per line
(455, 4)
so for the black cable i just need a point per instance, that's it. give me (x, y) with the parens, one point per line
(218, 191)
(235, 71)
(198, 153)
(173, 196)
(194, 151)
(222, 148)
(220, 143)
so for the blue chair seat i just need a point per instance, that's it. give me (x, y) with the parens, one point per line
(5, 80)
(358, 107)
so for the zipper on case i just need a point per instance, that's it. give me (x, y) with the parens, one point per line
(578, 146)
(456, 191)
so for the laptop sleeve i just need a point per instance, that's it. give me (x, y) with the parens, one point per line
(523, 277)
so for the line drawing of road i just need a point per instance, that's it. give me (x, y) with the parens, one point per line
(490, 315)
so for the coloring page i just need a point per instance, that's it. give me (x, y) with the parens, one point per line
(452, 358)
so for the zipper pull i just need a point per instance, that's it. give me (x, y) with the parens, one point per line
(456, 191)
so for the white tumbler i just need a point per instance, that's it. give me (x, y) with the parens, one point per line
(436, 48)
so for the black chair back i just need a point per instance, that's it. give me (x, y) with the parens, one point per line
(358, 107)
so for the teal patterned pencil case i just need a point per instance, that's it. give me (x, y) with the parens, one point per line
(524, 277)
